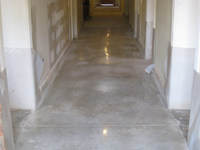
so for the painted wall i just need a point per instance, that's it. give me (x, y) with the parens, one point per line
(142, 24)
(78, 16)
(6, 131)
(162, 36)
(130, 12)
(97, 3)
(92, 6)
(133, 15)
(181, 63)
(52, 36)
(19, 54)
(37, 34)
(174, 51)
(136, 18)
(123, 6)
(51, 30)
(194, 127)
(149, 29)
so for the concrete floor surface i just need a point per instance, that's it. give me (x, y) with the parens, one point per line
(101, 99)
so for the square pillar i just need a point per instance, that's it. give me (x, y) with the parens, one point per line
(16, 20)
(182, 54)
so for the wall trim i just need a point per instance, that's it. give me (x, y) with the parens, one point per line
(160, 83)
(44, 86)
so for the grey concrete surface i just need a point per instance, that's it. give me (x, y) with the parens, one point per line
(101, 99)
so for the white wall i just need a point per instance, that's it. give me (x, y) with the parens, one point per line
(126, 7)
(149, 29)
(6, 138)
(51, 30)
(184, 31)
(194, 127)
(18, 49)
(52, 36)
(162, 37)
(37, 34)
(183, 41)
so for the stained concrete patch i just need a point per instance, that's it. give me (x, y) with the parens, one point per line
(105, 87)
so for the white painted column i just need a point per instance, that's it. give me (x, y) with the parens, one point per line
(19, 57)
(5, 116)
(194, 127)
(197, 52)
(149, 29)
(183, 40)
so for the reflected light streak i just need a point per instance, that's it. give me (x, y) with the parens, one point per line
(81, 58)
(105, 131)
(106, 52)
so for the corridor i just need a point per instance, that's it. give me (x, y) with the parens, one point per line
(102, 99)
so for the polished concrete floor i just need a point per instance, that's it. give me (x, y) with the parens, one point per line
(101, 99)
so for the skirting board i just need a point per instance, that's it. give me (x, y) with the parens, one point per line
(54, 71)
(160, 84)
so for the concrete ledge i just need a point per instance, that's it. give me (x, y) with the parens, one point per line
(54, 71)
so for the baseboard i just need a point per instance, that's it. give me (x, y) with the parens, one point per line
(54, 71)
(160, 83)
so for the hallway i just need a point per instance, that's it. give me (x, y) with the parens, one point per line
(102, 99)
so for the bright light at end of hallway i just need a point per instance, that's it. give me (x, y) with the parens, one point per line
(108, 35)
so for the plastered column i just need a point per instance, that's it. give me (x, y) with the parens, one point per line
(182, 54)
(149, 29)
(194, 127)
(17, 30)
(6, 131)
